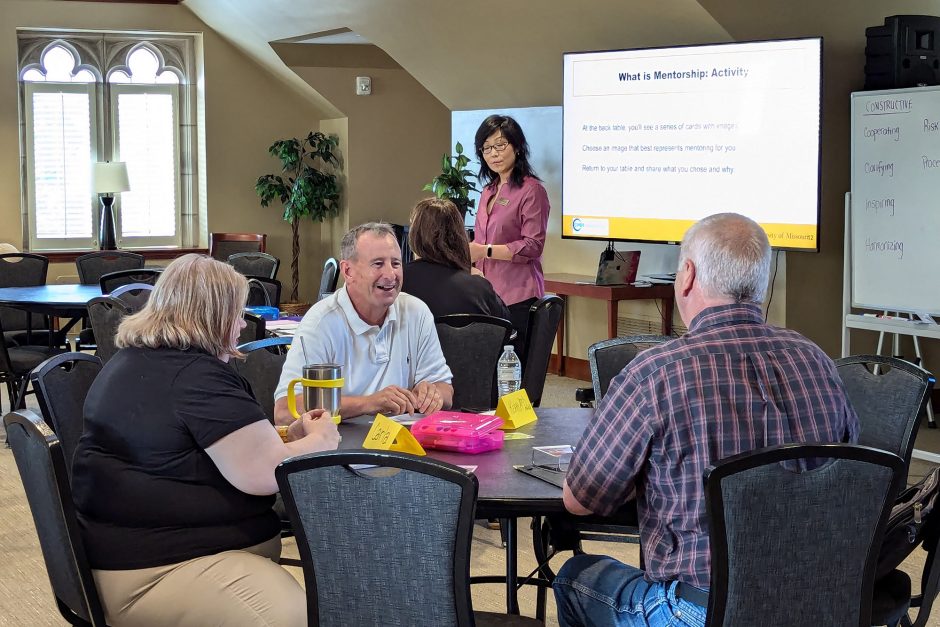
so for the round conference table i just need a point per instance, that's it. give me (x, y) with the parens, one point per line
(61, 301)
(504, 492)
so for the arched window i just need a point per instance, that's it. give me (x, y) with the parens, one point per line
(91, 97)
(60, 116)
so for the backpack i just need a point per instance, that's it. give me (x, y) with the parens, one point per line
(908, 523)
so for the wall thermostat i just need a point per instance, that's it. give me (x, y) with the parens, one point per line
(363, 85)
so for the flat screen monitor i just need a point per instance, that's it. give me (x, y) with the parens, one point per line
(658, 138)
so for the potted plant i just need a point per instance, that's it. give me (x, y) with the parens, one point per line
(453, 182)
(305, 188)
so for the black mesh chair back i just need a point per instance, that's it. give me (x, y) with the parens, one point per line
(16, 362)
(61, 384)
(472, 344)
(106, 313)
(263, 292)
(790, 546)
(134, 295)
(262, 366)
(224, 245)
(42, 469)
(328, 279)
(254, 329)
(609, 357)
(889, 395)
(92, 266)
(22, 270)
(113, 280)
(401, 234)
(255, 264)
(544, 316)
(398, 549)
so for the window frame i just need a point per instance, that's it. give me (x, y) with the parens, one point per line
(70, 243)
(114, 90)
(102, 53)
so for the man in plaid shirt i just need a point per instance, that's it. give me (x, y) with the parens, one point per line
(730, 385)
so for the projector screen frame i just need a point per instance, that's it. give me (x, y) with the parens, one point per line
(818, 195)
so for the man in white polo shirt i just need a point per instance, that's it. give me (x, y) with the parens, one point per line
(386, 341)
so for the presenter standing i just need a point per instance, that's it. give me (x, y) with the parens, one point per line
(509, 233)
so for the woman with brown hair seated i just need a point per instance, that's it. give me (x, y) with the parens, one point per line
(173, 478)
(440, 275)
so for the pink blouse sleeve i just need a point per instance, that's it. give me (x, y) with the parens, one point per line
(533, 210)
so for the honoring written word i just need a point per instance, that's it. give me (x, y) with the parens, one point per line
(885, 246)
(659, 75)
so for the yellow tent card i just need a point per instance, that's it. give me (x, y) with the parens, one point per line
(388, 435)
(516, 410)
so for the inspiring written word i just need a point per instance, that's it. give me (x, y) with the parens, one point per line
(880, 204)
(885, 246)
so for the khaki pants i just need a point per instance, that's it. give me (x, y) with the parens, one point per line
(245, 587)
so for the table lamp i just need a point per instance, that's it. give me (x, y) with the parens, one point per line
(108, 178)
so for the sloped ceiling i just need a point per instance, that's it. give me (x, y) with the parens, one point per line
(503, 53)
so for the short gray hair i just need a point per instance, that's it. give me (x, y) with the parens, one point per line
(348, 246)
(731, 254)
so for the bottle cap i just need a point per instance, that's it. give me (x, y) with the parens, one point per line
(509, 347)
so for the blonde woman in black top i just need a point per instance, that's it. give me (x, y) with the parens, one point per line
(173, 477)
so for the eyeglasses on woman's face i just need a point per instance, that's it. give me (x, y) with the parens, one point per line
(499, 146)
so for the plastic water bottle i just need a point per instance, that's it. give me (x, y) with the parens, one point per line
(508, 371)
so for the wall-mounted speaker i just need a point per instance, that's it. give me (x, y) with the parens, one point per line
(905, 52)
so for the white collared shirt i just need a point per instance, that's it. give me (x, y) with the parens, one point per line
(403, 351)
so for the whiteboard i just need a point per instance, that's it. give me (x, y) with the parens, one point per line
(895, 201)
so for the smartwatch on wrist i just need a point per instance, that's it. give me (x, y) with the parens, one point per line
(489, 250)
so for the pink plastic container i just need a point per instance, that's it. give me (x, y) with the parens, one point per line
(459, 432)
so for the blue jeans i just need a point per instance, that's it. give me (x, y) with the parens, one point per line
(599, 590)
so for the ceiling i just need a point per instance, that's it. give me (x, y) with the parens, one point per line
(491, 54)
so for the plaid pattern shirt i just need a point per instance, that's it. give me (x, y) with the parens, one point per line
(730, 385)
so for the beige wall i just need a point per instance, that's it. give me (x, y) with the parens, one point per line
(246, 110)
(391, 140)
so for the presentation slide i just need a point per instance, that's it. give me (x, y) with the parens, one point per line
(656, 139)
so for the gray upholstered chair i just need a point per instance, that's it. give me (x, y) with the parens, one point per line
(255, 264)
(92, 266)
(263, 292)
(25, 270)
(544, 316)
(254, 330)
(42, 469)
(608, 358)
(262, 368)
(61, 384)
(15, 364)
(889, 395)
(795, 546)
(113, 280)
(134, 295)
(396, 552)
(328, 279)
(106, 313)
(472, 344)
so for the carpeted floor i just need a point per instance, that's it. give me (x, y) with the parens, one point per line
(25, 598)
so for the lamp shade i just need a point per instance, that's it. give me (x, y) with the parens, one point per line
(110, 176)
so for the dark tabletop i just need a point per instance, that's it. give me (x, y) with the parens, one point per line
(55, 300)
(505, 491)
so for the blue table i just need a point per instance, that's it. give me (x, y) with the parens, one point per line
(62, 301)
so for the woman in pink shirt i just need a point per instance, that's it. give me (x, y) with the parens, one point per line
(511, 220)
